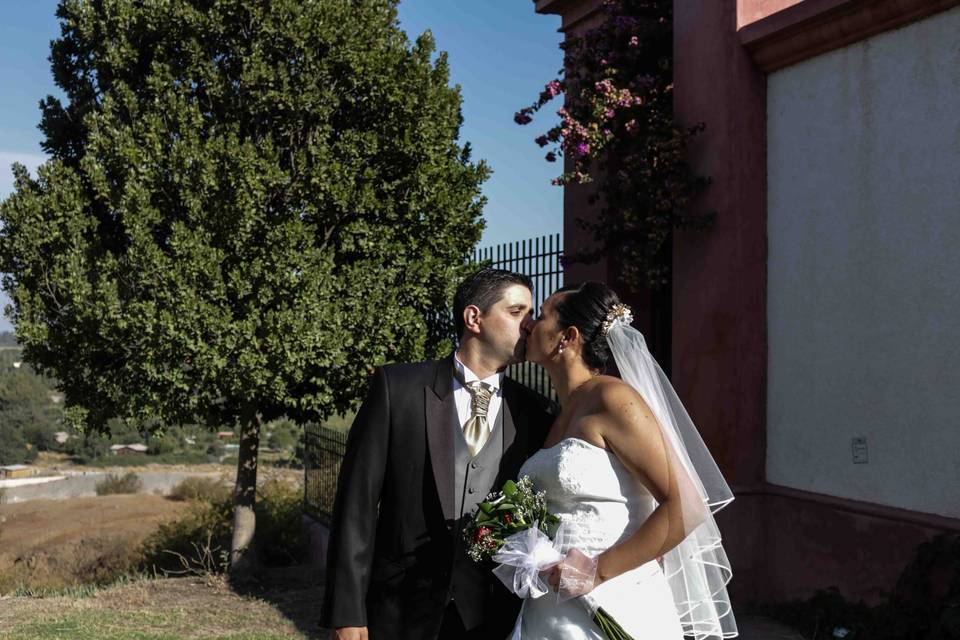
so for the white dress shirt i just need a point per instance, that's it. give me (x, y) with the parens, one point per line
(463, 398)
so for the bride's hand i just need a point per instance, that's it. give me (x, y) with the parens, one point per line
(575, 576)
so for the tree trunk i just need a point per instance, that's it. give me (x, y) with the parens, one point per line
(243, 558)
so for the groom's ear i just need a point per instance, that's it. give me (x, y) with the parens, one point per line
(471, 319)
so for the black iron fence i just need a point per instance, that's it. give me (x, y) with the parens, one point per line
(539, 258)
(323, 452)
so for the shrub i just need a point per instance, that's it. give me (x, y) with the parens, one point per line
(79, 564)
(114, 484)
(199, 542)
(14, 449)
(200, 488)
(925, 603)
(280, 538)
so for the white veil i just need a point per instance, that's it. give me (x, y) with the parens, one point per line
(697, 569)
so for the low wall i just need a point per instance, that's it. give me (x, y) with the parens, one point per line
(785, 544)
(84, 484)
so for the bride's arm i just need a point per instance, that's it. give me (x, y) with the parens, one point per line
(631, 432)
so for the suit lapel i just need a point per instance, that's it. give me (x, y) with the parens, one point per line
(440, 409)
(514, 434)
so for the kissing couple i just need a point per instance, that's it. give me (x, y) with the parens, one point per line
(621, 464)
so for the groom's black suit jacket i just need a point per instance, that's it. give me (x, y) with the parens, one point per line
(396, 556)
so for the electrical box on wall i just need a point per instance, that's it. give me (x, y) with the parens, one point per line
(859, 446)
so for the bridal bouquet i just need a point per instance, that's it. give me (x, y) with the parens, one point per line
(513, 528)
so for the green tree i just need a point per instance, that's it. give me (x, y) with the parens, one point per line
(14, 449)
(250, 203)
(91, 446)
(26, 407)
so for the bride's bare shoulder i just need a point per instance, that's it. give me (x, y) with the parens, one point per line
(619, 402)
(608, 391)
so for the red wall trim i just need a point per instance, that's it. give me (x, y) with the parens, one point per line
(814, 27)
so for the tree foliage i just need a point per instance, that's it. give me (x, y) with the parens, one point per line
(249, 204)
(29, 417)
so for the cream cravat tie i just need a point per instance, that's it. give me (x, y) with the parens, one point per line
(476, 431)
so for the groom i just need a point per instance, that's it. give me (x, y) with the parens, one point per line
(428, 444)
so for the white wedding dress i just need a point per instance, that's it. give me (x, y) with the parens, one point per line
(601, 504)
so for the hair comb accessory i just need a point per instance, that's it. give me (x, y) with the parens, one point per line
(618, 313)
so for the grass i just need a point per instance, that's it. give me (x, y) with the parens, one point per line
(87, 590)
(163, 609)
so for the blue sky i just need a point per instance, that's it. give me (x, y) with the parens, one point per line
(501, 54)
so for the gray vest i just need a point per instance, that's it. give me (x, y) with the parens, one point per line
(475, 476)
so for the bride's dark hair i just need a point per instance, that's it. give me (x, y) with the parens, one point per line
(585, 306)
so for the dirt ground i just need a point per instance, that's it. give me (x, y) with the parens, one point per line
(62, 546)
(55, 543)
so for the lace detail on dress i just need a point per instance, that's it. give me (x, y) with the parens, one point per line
(591, 491)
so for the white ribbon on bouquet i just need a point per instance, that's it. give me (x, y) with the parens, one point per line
(523, 556)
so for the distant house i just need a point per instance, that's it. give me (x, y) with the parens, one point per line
(12, 471)
(223, 435)
(60, 437)
(128, 449)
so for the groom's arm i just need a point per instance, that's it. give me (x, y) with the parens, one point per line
(353, 530)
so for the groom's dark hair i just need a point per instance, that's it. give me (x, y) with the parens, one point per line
(482, 290)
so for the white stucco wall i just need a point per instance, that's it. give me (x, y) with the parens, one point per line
(864, 269)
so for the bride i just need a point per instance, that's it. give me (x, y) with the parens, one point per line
(626, 471)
